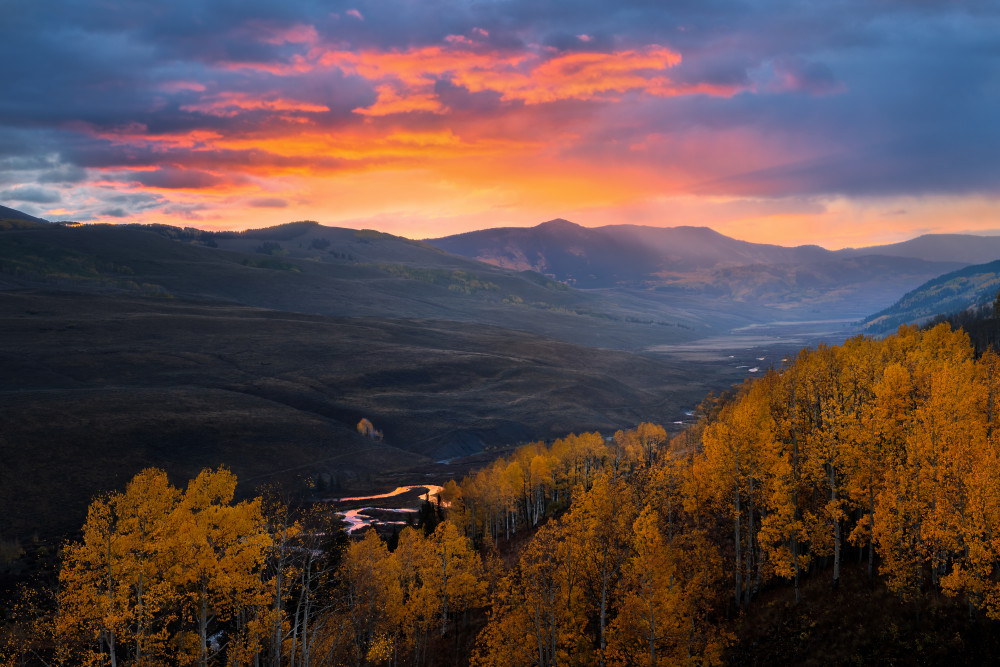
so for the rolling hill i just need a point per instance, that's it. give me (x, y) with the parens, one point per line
(12, 218)
(308, 268)
(616, 255)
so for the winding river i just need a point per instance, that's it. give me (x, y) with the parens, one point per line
(356, 519)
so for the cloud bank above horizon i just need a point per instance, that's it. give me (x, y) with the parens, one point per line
(838, 122)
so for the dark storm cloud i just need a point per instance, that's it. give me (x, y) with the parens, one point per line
(64, 175)
(31, 194)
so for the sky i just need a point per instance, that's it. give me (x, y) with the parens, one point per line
(835, 122)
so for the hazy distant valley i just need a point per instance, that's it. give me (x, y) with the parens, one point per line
(129, 346)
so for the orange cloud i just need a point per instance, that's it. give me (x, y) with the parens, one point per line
(229, 104)
(390, 101)
(298, 152)
(591, 75)
(420, 66)
(523, 76)
(405, 79)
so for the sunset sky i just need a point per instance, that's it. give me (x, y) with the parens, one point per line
(837, 122)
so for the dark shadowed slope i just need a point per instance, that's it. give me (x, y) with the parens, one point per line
(10, 214)
(314, 269)
(95, 389)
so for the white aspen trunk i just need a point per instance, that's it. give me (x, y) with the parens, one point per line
(444, 586)
(737, 594)
(836, 530)
(203, 626)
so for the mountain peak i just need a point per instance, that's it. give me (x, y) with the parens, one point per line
(559, 223)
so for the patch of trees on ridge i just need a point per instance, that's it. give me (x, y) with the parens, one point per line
(981, 322)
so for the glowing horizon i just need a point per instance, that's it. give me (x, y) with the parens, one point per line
(804, 125)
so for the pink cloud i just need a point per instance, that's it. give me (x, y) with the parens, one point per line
(297, 34)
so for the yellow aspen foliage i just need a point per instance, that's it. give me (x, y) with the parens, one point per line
(28, 628)
(451, 572)
(652, 624)
(599, 527)
(112, 588)
(157, 566)
(218, 552)
(367, 573)
(737, 454)
(538, 610)
(415, 612)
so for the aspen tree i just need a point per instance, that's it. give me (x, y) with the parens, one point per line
(218, 554)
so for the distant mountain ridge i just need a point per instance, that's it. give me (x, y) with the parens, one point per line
(616, 254)
(681, 276)
(965, 248)
(599, 256)
(700, 262)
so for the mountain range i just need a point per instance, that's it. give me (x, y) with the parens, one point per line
(604, 256)
(619, 254)
(802, 281)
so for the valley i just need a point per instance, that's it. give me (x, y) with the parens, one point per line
(129, 346)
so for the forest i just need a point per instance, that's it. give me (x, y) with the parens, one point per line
(633, 549)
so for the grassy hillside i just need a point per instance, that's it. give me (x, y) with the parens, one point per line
(842, 288)
(308, 268)
(97, 388)
(949, 293)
